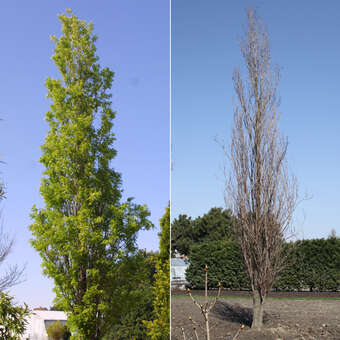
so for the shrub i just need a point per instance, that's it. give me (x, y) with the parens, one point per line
(56, 330)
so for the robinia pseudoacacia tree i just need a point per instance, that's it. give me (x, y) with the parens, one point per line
(84, 234)
(260, 191)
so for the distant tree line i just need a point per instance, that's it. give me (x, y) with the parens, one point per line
(312, 265)
(213, 226)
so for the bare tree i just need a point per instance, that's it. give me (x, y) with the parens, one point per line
(205, 309)
(260, 191)
(13, 274)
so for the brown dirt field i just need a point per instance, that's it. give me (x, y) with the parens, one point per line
(284, 319)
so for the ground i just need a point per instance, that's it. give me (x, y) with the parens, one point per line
(286, 317)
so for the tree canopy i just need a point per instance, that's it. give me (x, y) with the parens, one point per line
(85, 235)
(212, 226)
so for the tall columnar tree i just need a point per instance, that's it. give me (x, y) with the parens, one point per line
(260, 191)
(159, 328)
(84, 234)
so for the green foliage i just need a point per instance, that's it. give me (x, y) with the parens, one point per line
(212, 226)
(164, 235)
(311, 264)
(289, 278)
(225, 263)
(131, 325)
(67, 333)
(136, 300)
(314, 265)
(84, 235)
(159, 327)
(181, 234)
(56, 330)
(13, 319)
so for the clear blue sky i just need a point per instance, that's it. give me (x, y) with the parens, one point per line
(305, 41)
(134, 43)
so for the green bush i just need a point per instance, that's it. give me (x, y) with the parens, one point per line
(55, 330)
(225, 263)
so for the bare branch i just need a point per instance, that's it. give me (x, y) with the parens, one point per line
(259, 189)
(238, 332)
(195, 325)
(182, 329)
(206, 307)
(13, 275)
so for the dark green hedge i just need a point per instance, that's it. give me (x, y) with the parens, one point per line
(312, 265)
(225, 265)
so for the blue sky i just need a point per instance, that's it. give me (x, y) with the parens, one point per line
(305, 42)
(134, 43)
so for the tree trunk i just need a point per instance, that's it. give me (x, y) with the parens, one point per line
(257, 310)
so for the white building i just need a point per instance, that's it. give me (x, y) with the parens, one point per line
(178, 268)
(38, 322)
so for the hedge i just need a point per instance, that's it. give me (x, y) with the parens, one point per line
(311, 265)
(225, 265)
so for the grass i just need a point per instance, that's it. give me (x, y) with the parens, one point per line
(268, 298)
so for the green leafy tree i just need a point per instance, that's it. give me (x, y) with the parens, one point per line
(159, 328)
(13, 319)
(84, 234)
(212, 226)
(181, 234)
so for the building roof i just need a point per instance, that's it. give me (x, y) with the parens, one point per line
(49, 315)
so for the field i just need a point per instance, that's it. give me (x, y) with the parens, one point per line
(287, 317)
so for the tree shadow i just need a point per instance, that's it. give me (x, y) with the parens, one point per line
(237, 313)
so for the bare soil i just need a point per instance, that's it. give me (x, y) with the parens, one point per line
(284, 319)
